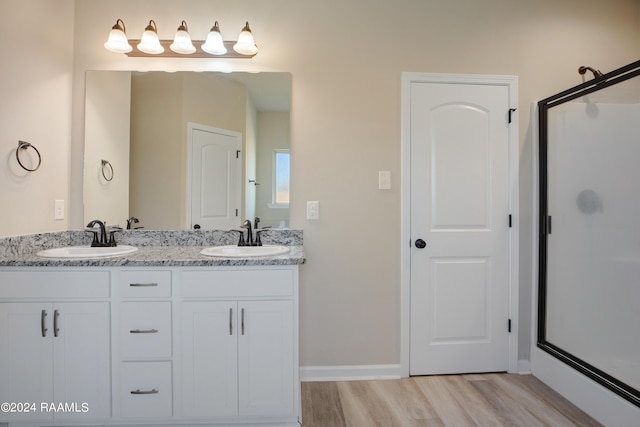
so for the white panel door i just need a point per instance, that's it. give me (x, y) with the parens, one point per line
(460, 210)
(215, 184)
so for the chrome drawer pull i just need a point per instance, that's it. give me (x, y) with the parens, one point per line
(140, 285)
(138, 391)
(143, 331)
(231, 321)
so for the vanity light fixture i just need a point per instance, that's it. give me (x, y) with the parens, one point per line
(117, 41)
(150, 43)
(182, 41)
(246, 45)
(181, 46)
(214, 43)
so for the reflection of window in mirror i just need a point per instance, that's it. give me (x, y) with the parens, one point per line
(280, 178)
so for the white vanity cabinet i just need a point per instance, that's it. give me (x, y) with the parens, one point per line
(239, 343)
(144, 354)
(238, 358)
(151, 346)
(54, 345)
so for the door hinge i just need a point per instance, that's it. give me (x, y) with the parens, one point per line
(510, 221)
(511, 111)
(236, 212)
(237, 154)
(509, 325)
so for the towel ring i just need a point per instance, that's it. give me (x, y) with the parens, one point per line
(107, 165)
(23, 145)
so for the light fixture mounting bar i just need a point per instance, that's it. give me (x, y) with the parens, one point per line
(199, 53)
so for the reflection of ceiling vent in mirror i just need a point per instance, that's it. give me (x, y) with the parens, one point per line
(589, 202)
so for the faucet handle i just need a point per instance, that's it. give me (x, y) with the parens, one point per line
(112, 231)
(95, 232)
(241, 241)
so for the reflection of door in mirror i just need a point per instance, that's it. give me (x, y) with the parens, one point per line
(213, 173)
(151, 164)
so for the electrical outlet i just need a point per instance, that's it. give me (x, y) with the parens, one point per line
(313, 210)
(58, 209)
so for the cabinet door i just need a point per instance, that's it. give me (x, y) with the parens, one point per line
(26, 362)
(210, 358)
(265, 348)
(81, 347)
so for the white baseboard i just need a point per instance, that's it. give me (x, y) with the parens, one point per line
(349, 373)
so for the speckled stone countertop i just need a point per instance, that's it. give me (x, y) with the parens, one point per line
(155, 249)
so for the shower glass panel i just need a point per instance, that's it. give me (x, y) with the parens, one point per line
(589, 301)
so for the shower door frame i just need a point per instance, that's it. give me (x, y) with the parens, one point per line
(545, 227)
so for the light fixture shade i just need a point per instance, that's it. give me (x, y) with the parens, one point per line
(117, 41)
(245, 44)
(150, 43)
(182, 41)
(214, 43)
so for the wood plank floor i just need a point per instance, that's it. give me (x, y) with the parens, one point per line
(450, 400)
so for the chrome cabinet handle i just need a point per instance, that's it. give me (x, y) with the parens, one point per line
(56, 314)
(143, 331)
(242, 324)
(43, 323)
(140, 285)
(231, 321)
(138, 391)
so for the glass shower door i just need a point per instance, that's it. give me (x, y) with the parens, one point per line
(589, 313)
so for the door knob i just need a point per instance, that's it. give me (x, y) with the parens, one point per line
(421, 244)
(196, 227)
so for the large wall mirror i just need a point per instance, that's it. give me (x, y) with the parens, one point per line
(138, 128)
(588, 312)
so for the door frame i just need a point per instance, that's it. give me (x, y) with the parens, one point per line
(405, 251)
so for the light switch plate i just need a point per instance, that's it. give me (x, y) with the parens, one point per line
(384, 180)
(313, 210)
(58, 209)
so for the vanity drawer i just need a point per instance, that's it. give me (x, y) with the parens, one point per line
(54, 284)
(145, 283)
(146, 390)
(145, 329)
(237, 283)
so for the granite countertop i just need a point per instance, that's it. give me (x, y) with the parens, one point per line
(155, 249)
(157, 256)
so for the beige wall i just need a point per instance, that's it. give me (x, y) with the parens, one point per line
(35, 106)
(346, 59)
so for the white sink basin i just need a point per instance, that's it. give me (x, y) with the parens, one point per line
(244, 251)
(86, 252)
